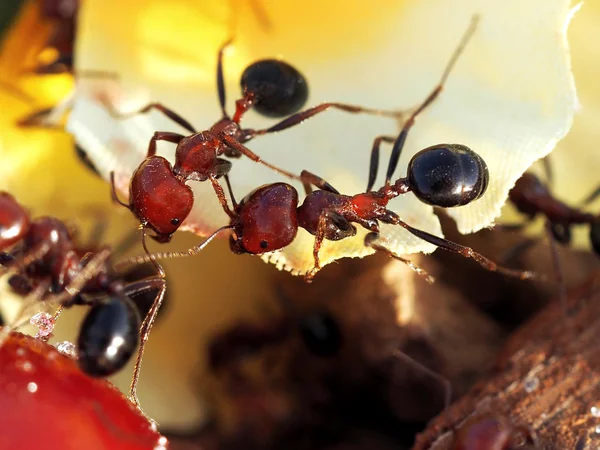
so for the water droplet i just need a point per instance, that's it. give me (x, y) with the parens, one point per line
(597, 429)
(162, 443)
(67, 348)
(21, 352)
(531, 384)
(153, 425)
(44, 322)
(32, 387)
(26, 366)
(595, 411)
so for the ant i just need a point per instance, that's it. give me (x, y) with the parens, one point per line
(533, 198)
(159, 195)
(47, 264)
(445, 175)
(489, 433)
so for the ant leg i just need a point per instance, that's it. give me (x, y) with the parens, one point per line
(517, 250)
(147, 322)
(221, 196)
(557, 266)
(233, 202)
(113, 192)
(166, 136)
(301, 116)
(401, 139)
(370, 239)
(374, 161)
(547, 165)
(464, 251)
(319, 236)
(443, 381)
(235, 145)
(158, 106)
(309, 178)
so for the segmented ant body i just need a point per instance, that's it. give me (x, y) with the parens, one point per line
(489, 433)
(446, 175)
(159, 195)
(533, 198)
(47, 263)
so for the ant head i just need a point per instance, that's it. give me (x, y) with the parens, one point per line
(159, 199)
(321, 334)
(447, 175)
(279, 89)
(14, 221)
(595, 237)
(266, 220)
(108, 336)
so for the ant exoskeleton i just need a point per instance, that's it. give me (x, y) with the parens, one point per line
(445, 175)
(490, 433)
(46, 264)
(159, 196)
(533, 198)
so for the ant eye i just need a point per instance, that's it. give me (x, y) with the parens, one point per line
(595, 237)
(264, 245)
(108, 337)
(448, 175)
(279, 88)
(321, 334)
(175, 222)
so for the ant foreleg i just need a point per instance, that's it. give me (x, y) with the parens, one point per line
(319, 236)
(309, 178)
(167, 136)
(401, 139)
(113, 192)
(370, 239)
(557, 266)
(221, 196)
(590, 198)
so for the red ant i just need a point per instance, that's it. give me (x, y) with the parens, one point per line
(159, 196)
(445, 175)
(490, 433)
(532, 198)
(47, 263)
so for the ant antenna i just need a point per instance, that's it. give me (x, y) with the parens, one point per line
(400, 140)
(146, 324)
(153, 257)
(443, 381)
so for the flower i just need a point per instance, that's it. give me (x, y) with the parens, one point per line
(511, 96)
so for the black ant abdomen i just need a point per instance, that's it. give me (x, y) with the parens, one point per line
(279, 89)
(108, 336)
(448, 175)
(321, 334)
(265, 220)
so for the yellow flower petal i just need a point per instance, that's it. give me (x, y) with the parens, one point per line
(511, 96)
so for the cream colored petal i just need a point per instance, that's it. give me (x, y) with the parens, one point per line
(510, 98)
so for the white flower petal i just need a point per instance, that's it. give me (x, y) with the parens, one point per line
(510, 98)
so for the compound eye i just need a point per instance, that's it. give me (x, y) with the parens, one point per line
(448, 175)
(279, 88)
(321, 334)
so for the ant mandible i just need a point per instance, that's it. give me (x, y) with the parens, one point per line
(159, 195)
(445, 175)
(45, 261)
